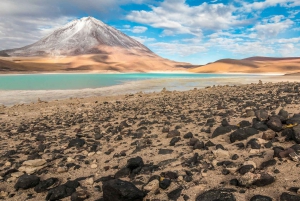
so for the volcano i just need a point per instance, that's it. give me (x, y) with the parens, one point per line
(87, 44)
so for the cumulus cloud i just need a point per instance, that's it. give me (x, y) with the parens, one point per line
(139, 29)
(272, 27)
(177, 17)
(176, 48)
(260, 5)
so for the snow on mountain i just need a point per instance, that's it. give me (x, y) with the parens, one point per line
(81, 36)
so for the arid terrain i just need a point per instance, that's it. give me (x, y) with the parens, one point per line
(218, 143)
(113, 59)
(252, 65)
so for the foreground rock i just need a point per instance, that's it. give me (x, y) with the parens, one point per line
(118, 190)
(219, 194)
(219, 143)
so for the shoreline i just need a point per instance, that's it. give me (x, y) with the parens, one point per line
(13, 97)
(184, 138)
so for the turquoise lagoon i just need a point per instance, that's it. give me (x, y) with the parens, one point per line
(26, 88)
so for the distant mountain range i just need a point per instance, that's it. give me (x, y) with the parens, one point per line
(86, 44)
(252, 65)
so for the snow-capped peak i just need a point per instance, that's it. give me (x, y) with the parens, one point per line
(80, 36)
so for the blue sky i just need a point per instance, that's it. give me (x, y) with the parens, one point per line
(184, 30)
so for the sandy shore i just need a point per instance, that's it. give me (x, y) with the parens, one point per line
(224, 142)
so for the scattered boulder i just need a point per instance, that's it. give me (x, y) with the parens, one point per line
(275, 124)
(62, 191)
(217, 194)
(118, 190)
(242, 134)
(221, 131)
(27, 181)
(261, 115)
(260, 198)
(289, 197)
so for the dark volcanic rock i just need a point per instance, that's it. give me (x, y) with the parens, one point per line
(275, 124)
(216, 195)
(244, 124)
(174, 141)
(134, 163)
(188, 135)
(284, 115)
(77, 142)
(253, 143)
(124, 172)
(261, 115)
(242, 134)
(268, 163)
(289, 197)
(44, 185)
(62, 191)
(296, 134)
(173, 133)
(175, 194)
(246, 168)
(27, 181)
(265, 179)
(221, 131)
(165, 151)
(260, 198)
(118, 190)
(165, 183)
(259, 125)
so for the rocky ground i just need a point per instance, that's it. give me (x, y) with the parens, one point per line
(220, 143)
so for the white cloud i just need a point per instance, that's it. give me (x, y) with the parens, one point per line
(139, 29)
(272, 27)
(289, 50)
(176, 17)
(177, 48)
(143, 39)
(260, 5)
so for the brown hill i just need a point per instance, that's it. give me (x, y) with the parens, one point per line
(252, 65)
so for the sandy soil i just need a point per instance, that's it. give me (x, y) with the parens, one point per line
(284, 66)
(155, 127)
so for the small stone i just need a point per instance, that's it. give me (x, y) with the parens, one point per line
(261, 115)
(152, 186)
(26, 182)
(260, 198)
(165, 151)
(94, 166)
(219, 153)
(175, 194)
(289, 197)
(62, 169)
(216, 194)
(268, 163)
(89, 181)
(44, 185)
(268, 135)
(164, 183)
(35, 163)
(275, 124)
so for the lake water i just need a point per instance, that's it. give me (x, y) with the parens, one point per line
(90, 81)
(15, 89)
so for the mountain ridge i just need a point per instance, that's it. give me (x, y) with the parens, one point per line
(80, 36)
